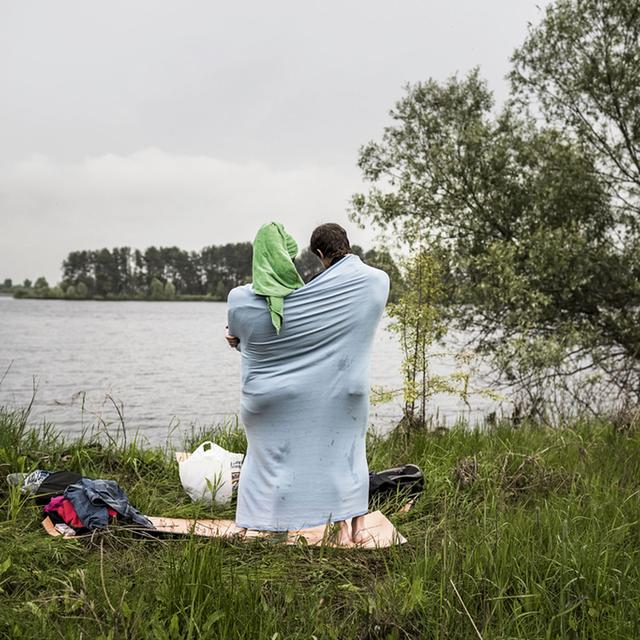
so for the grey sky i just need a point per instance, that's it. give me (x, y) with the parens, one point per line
(192, 122)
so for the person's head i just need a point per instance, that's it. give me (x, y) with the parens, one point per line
(328, 242)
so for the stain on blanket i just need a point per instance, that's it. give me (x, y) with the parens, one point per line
(281, 453)
(351, 460)
(351, 456)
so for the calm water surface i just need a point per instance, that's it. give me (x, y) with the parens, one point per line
(166, 362)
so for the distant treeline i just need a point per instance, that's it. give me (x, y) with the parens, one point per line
(167, 273)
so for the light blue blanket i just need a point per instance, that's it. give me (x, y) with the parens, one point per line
(305, 398)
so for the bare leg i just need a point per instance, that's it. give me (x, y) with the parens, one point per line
(357, 534)
(344, 533)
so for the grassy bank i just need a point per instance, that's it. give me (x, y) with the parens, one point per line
(529, 533)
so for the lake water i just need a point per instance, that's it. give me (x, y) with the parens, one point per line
(166, 362)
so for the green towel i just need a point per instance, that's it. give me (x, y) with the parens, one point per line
(274, 274)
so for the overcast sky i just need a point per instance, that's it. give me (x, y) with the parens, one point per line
(189, 123)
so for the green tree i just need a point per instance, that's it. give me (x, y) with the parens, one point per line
(308, 264)
(526, 227)
(175, 263)
(209, 264)
(71, 292)
(221, 291)
(381, 259)
(153, 264)
(157, 289)
(79, 266)
(580, 68)
(122, 270)
(139, 272)
(41, 285)
(8, 283)
(418, 321)
(82, 291)
(27, 283)
(230, 263)
(106, 273)
(169, 291)
(236, 263)
(192, 273)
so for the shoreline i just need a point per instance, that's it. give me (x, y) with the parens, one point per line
(185, 298)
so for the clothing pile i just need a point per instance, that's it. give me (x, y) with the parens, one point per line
(76, 504)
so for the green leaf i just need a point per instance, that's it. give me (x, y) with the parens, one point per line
(5, 565)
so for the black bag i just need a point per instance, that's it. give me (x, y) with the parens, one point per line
(407, 480)
(54, 485)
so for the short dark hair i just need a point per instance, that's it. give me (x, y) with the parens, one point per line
(331, 239)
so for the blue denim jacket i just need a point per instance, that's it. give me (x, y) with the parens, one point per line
(90, 499)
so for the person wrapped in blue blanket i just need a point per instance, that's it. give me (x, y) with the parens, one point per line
(305, 383)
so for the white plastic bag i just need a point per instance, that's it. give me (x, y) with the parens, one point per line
(206, 474)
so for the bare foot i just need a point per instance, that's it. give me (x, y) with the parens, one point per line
(344, 534)
(358, 534)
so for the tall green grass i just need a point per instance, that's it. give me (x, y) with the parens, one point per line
(528, 533)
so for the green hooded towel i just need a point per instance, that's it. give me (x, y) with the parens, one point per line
(274, 274)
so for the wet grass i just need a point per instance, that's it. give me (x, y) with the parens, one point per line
(528, 533)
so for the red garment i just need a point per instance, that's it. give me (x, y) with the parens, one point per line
(65, 509)
(68, 513)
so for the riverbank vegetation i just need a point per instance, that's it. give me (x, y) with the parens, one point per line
(531, 207)
(520, 533)
(169, 273)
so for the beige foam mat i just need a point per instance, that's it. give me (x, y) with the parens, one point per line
(377, 531)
